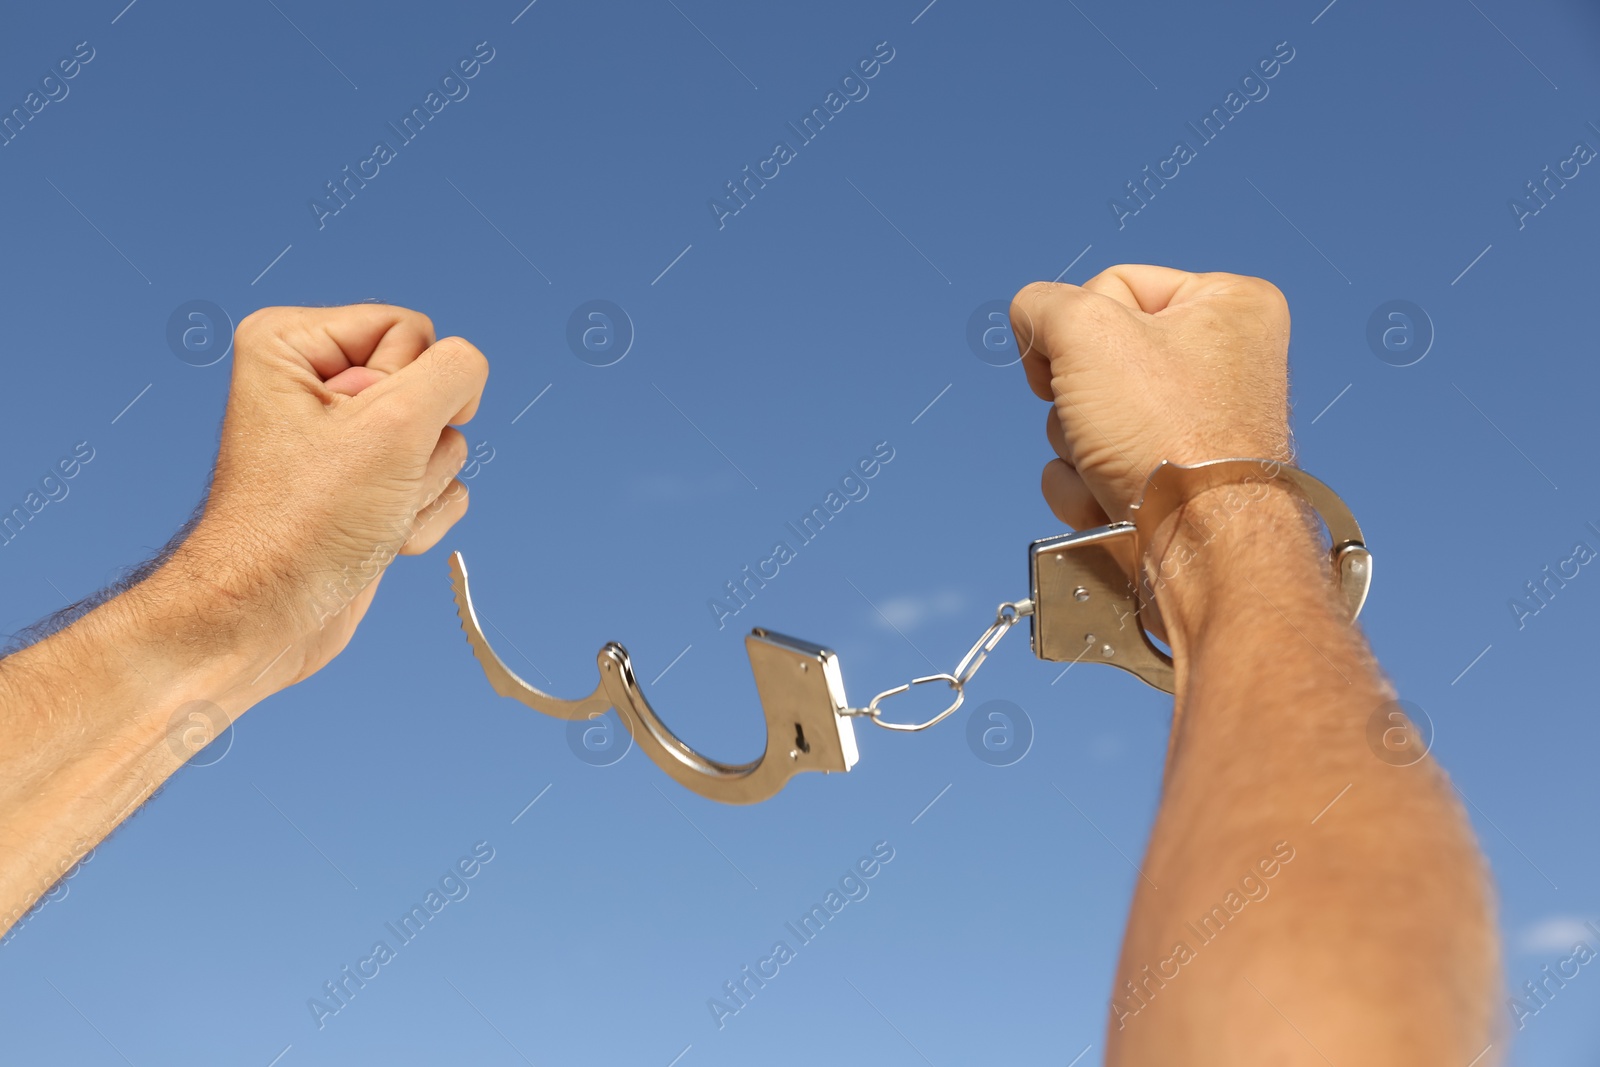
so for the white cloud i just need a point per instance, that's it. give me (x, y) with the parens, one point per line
(1558, 933)
(910, 612)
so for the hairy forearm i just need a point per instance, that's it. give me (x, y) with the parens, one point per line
(1370, 940)
(338, 452)
(91, 723)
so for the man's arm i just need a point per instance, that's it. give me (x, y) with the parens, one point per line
(1302, 901)
(336, 455)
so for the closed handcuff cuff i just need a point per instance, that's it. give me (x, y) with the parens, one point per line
(1082, 607)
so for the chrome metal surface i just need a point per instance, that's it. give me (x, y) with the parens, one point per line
(1086, 608)
(1087, 603)
(1087, 596)
(802, 697)
(1170, 484)
(1005, 617)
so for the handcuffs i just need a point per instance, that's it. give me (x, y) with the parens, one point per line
(1082, 607)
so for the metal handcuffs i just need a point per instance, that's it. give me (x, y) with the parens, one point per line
(1082, 606)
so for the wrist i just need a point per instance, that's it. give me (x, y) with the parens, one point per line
(1206, 555)
(192, 634)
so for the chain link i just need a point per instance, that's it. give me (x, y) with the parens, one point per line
(1008, 615)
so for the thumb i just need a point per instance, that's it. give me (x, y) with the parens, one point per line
(352, 381)
(441, 387)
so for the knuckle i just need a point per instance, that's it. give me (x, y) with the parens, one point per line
(1265, 290)
(1043, 294)
(1260, 292)
(1117, 275)
(412, 321)
(413, 325)
(1116, 271)
(461, 365)
(398, 310)
(1044, 309)
(455, 444)
(260, 322)
(1028, 293)
(1055, 434)
(454, 497)
(462, 354)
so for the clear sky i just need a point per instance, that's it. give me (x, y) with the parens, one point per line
(771, 349)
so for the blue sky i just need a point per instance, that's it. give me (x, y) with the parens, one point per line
(771, 349)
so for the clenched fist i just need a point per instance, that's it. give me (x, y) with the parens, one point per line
(337, 454)
(1150, 363)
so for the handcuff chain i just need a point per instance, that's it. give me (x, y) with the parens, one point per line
(1006, 616)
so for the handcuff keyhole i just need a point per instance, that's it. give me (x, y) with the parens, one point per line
(800, 741)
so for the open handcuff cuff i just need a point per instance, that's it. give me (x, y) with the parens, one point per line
(1083, 606)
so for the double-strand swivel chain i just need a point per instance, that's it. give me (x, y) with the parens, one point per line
(1009, 614)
